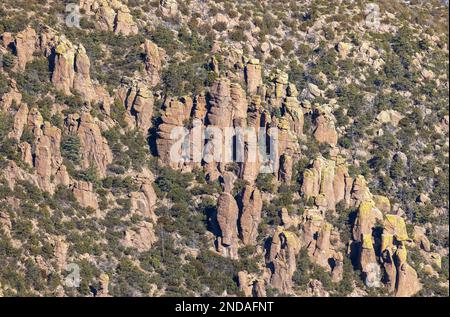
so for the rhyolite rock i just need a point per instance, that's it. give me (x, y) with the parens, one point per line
(152, 61)
(282, 255)
(251, 214)
(227, 218)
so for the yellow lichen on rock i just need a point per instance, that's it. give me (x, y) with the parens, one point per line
(395, 225)
(382, 203)
(367, 242)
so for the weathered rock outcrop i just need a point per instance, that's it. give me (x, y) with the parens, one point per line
(360, 191)
(402, 278)
(138, 100)
(293, 111)
(145, 200)
(325, 131)
(63, 66)
(282, 259)
(174, 116)
(239, 105)
(227, 217)
(323, 253)
(61, 249)
(95, 149)
(367, 218)
(5, 223)
(20, 120)
(110, 15)
(316, 289)
(344, 49)
(84, 193)
(14, 173)
(25, 45)
(71, 70)
(399, 276)
(152, 62)
(253, 76)
(285, 171)
(11, 97)
(47, 157)
(390, 116)
(251, 215)
(315, 236)
(221, 110)
(328, 182)
(420, 238)
(82, 79)
(251, 285)
(140, 238)
(408, 283)
(124, 22)
(104, 285)
(169, 7)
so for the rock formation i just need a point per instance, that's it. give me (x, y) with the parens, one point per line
(251, 215)
(71, 70)
(63, 72)
(402, 278)
(61, 249)
(152, 62)
(20, 120)
(328, 182)
(111, 15)
(25, 45)
(47, 157)
(227, 217)
(104, 285)
(140, 238)
(172, 118)
(253, 76)
(325, 131)
(138, 101)
(282, 259)
(420, 238)
(84, 193)
(251, 285)
(94, 147)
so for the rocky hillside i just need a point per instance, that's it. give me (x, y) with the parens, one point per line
(91, 200)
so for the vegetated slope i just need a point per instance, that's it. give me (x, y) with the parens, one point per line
(358, 203)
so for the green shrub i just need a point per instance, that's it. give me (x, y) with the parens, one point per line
(71, 148)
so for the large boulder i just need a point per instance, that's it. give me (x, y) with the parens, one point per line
(420, 238)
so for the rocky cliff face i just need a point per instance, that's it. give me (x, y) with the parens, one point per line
(351, 177)
(110, 15)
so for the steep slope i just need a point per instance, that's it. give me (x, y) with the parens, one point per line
(351, 201)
